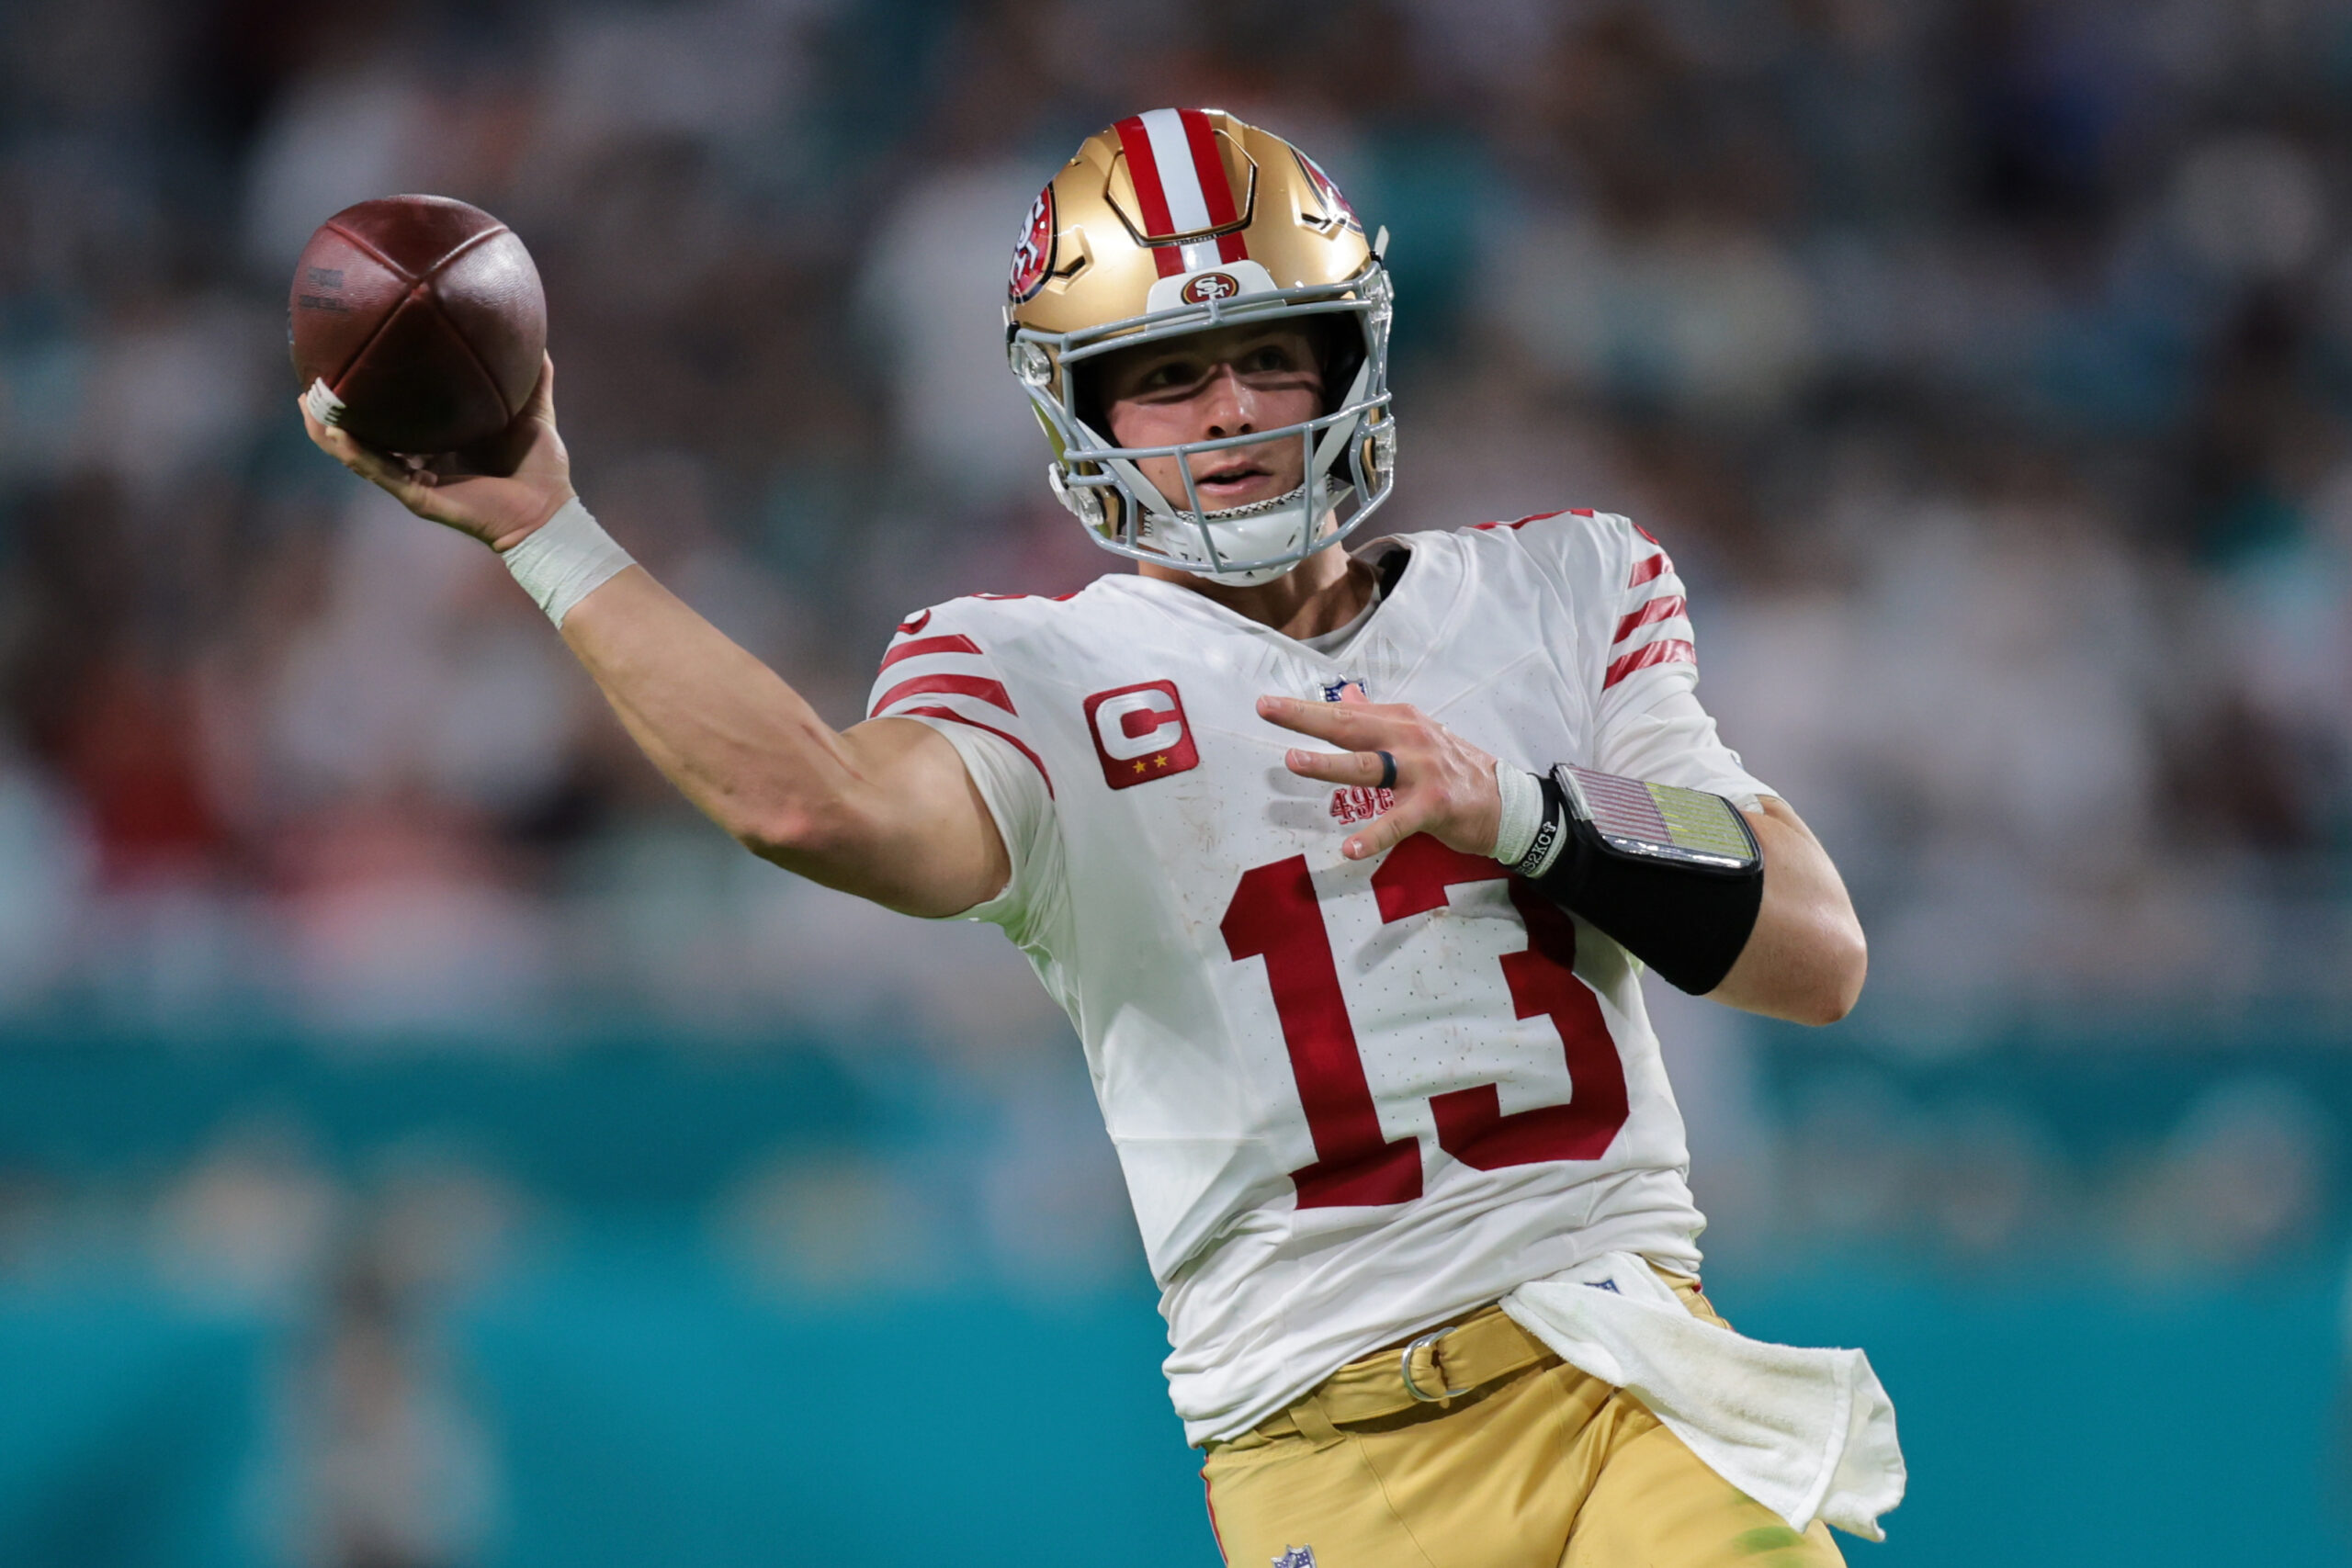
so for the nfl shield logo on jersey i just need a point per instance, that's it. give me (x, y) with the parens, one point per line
(1295, 1557)
(1140, 734)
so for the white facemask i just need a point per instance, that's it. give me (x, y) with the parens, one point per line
(1348, 454)
(1283, 525)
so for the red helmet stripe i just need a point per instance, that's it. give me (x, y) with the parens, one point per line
(1209, 169)
(1180, 180)
(1150, 194)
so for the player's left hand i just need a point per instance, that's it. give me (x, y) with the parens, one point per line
(1444, 787)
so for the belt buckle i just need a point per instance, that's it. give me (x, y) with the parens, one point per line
(1405, 1368)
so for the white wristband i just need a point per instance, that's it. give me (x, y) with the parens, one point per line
(1522, 795)
(568, 558)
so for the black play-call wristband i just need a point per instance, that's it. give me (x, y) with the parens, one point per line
(1674, 876)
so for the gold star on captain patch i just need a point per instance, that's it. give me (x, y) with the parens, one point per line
(1138, 764)
(1159, 761)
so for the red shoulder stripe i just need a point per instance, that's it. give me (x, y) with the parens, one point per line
(1649, 569)
(980, 687)
(1537, 517)
(1670, 650)
(1013, 740)
(1663, 608)
(923, 645)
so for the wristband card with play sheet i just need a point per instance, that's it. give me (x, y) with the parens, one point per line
(1657, 821)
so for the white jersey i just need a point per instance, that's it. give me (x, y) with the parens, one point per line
(1351, 1100)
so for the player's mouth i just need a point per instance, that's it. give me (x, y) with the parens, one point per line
(1235, 483)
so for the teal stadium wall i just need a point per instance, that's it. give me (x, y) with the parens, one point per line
(648, 1405)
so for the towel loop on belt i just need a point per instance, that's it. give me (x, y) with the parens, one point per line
(1405, 1369)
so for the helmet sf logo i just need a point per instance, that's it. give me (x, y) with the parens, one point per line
(1140, 734)
(1209, 286)
(1033, 256)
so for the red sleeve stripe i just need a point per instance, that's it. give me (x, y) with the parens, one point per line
(923, 645)
(1663, 608)
(989, 692)
(1012, 741)
(1649, 569)
(1668, 650)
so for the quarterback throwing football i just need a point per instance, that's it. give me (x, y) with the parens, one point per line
(1345, 866)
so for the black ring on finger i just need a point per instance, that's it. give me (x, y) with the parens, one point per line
(1387, 770)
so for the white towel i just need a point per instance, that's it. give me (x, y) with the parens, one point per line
(1809, 1434)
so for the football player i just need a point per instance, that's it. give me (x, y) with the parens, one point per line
(1344, 864)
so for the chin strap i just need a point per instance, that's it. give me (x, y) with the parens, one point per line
(1335, 440)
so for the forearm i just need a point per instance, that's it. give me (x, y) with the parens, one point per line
(731, 733)
(1805, 960)
(1792, 949)
(885, 810)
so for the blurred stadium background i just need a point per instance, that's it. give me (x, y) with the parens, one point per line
(425, 1144)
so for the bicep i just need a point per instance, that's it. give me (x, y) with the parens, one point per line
(921, 837)
(1664, 735)
(1805, 958)
(1790, 849)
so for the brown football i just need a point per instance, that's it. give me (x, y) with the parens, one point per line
(417, 323)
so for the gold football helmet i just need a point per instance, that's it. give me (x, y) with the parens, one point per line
(1179, 220)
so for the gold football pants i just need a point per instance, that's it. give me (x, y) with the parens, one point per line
(1533, 1465)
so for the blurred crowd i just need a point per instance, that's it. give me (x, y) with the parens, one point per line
(1985, 364)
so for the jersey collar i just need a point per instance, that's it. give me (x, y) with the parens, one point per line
(1388, 557)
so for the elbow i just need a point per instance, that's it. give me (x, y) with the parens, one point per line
(1830, 1006)
(788, 836)
(1845, 962)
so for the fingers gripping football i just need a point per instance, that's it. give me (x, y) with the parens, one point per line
(498, 492)
(1444, 785)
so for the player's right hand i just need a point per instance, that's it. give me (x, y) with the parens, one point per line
(498, 491)
(1444, 787)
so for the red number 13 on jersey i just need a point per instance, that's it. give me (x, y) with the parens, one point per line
(1273, 916)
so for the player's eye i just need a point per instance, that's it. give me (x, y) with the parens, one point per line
(1171, 373)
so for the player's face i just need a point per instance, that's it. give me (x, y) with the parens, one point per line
(1214, 384)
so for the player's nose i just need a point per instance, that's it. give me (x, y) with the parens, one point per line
(1228, 406)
